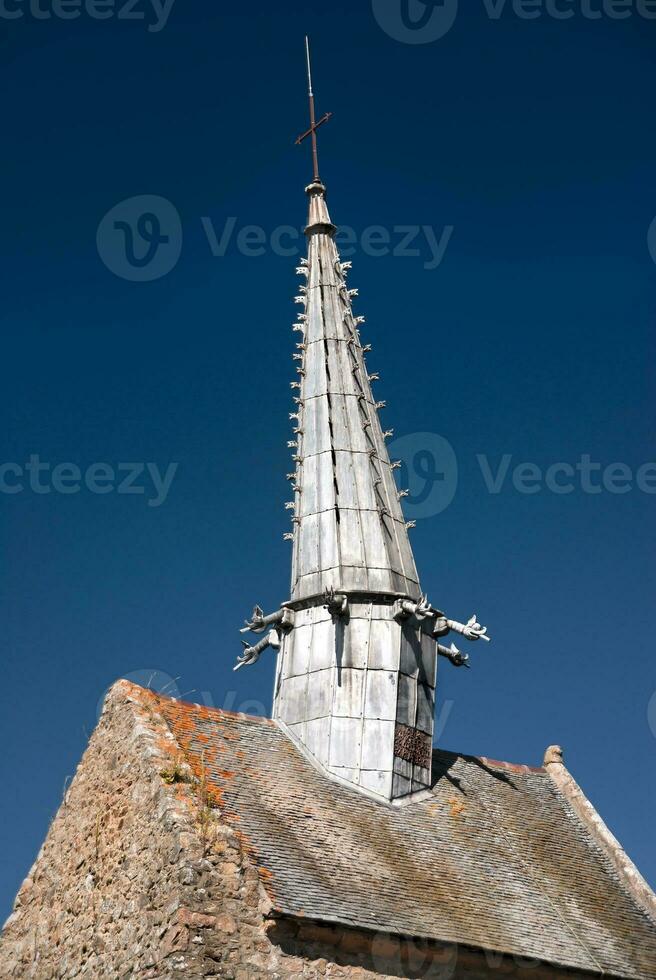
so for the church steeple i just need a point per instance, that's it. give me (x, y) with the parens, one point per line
(350, 531)
(357, 663)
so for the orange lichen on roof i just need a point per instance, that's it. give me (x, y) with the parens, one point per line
(188, 715)
(457, 807)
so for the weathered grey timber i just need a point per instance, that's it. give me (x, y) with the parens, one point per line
(357, 665)
(351, 532)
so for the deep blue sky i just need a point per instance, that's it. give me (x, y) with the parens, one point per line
(534, 338)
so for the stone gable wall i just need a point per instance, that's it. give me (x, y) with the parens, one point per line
(139, 878)
(127, 884)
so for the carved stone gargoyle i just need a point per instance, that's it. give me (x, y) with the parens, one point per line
(282, 621)
(429, 619)
(436, 622)
(335, 602)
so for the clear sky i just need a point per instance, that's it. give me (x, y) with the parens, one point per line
(515, 160)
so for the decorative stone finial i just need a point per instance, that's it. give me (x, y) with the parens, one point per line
(553, 756)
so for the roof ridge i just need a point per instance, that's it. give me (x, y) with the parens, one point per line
(207, 709)
(511, 766)
(516, 767)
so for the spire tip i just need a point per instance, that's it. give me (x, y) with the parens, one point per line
(314, 125)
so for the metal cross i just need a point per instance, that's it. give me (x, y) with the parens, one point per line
(314, 125)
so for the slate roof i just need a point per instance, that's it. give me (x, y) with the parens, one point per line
(495, 858)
